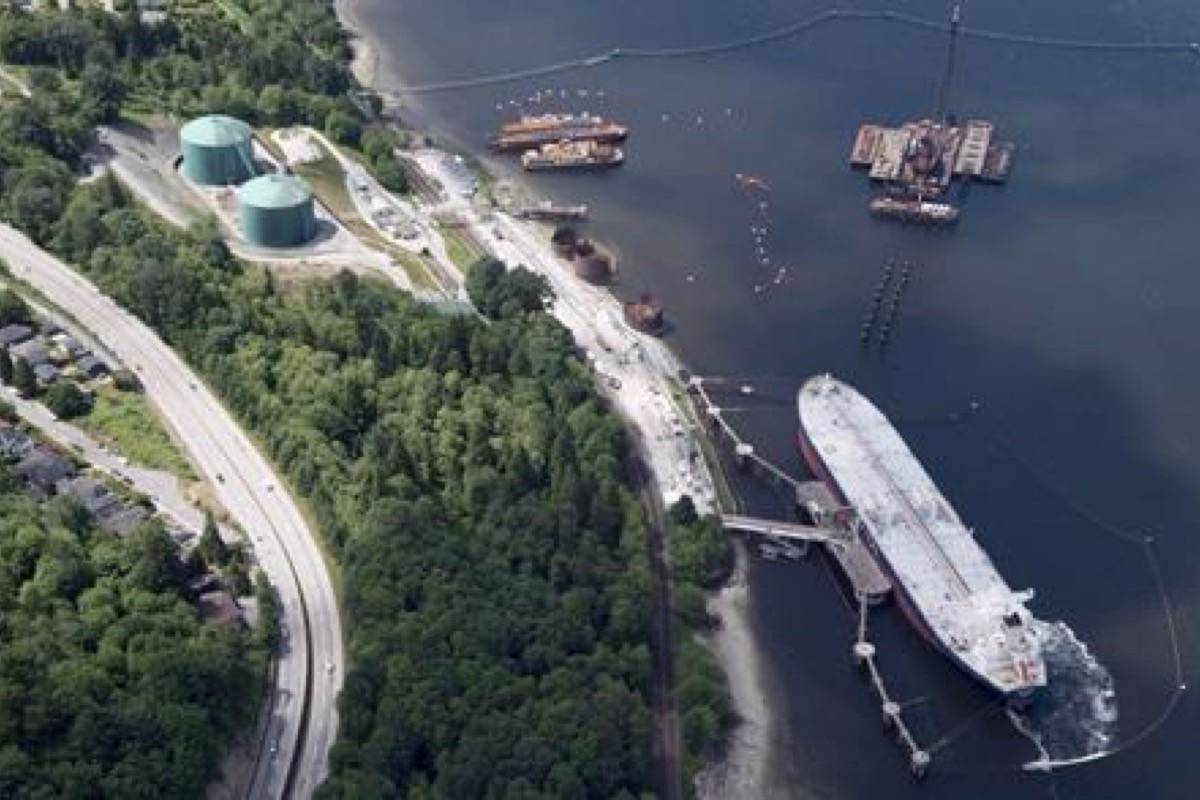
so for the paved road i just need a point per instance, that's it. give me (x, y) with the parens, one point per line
(311, 664)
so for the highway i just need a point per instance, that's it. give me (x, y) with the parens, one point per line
(311, 664)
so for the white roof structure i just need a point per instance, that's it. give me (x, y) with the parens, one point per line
(949, 580)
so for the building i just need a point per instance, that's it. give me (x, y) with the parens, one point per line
(15, 334)
(33, 351)
(217, 151)
(46, 373)
(43, 469)
(90, 366)
(276, 211)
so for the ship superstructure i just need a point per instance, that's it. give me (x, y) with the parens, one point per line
(945, 581)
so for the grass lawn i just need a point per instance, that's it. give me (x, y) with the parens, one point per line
(459, 251)
(125, 421)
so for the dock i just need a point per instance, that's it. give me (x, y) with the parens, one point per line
(836, 527)
(833, 525)
(918, 160)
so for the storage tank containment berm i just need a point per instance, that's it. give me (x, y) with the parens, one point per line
(276, 211)
(217, 150)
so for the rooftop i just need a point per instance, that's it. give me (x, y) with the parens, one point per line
(275, 191)
(216, 130)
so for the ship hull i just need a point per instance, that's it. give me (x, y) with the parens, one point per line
(576, 166)
(908, 606)
(518, 143)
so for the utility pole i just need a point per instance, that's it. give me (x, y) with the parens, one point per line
(939, 110)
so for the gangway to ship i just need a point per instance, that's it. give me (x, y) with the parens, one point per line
(785, 530)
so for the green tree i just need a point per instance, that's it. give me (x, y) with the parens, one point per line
(23, 378)
(66, 400)
(102, 91)
(211, 546)
(13, 308)
(342, 127)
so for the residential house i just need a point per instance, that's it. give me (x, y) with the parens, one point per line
(44, 469)
(15, 334)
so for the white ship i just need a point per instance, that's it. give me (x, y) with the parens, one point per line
(945, 582)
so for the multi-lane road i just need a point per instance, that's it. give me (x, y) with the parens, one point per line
(311, 663)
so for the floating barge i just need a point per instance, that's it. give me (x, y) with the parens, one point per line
(546, 210)
(578, 155)
(915, 210)
(927, 155)
(918, 161)
(943, 580)
(531, 132)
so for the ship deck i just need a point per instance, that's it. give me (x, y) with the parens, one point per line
(932, 555)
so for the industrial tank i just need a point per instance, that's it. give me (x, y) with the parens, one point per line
(217, 150)
(276, 211)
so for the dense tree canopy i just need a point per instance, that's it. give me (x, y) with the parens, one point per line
(110, 686)
(495, 574)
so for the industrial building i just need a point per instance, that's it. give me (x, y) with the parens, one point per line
(217, 151)
(276, 211)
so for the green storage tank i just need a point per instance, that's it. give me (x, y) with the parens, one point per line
(217, 150)
(276, 211)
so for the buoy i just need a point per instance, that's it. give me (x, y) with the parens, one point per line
(891, 710)
(919, 763)
(863, 650)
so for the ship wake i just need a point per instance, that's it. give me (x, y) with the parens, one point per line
(1074, 719)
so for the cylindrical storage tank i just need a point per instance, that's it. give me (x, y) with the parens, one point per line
(217, 150)
(276, 211)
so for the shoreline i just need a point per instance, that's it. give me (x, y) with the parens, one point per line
(743, 769)
(365, 63)
(743, 766)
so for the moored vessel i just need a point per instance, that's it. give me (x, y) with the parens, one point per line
(915, 210)
(945, 582)
(534, 131)
(572, 155)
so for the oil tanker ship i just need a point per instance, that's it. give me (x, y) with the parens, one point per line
(531, 132)
(945, 583)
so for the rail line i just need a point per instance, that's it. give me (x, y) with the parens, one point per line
(798, 28)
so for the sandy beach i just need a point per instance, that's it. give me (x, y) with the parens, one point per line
(743, 771)
(366, 57)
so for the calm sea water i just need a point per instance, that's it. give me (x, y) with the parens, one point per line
(1064, 305)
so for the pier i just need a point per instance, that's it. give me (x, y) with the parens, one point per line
(919, 759)
(836, 527)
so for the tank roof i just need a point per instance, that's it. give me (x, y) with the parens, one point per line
(216, 130)
(275, 191)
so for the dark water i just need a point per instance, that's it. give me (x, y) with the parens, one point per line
(1064, 305)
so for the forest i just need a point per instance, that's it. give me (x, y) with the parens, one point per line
(463, 471)
(110, 686)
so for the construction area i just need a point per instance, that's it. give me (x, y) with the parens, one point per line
(917, 161)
